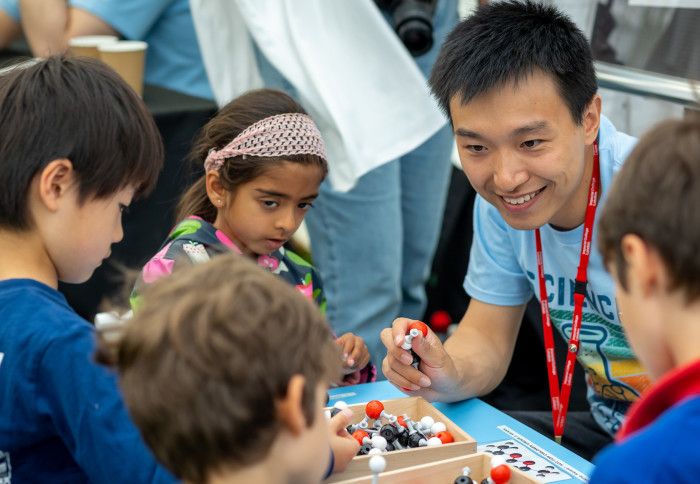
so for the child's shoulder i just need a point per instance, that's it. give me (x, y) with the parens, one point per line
(36, 319)
(30, 309)
(286, 260)
(297, 259)
(670, 439)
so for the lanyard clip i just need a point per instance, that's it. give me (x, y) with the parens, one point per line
(580, 287)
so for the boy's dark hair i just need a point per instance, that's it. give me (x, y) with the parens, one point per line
(508, 41)
(233, 118)
(656, 196)
(209, 354)
(79, 109)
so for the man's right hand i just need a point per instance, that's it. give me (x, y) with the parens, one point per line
(436, 378)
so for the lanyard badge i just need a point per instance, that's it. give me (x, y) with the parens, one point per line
(560, 403)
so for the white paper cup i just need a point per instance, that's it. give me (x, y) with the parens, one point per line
(128, 58)
(87, 44)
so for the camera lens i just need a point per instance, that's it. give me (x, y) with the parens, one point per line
(413, 24)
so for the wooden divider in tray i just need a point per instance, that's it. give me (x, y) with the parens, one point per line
(442, 472)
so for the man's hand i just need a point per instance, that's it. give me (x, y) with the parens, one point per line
(436, 377)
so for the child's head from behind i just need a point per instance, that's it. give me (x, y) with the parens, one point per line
(506, 42)
(224, 364)
(649, 233)
(264, 160)
(76, 141)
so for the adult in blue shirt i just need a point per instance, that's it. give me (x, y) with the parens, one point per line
(518, 82)
(173, 58)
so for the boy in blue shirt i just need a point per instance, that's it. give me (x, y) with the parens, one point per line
(649, 237)
(77, 145)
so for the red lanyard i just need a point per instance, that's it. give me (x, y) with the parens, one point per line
(561, 403)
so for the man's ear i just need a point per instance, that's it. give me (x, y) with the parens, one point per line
(215, 191)
(591, 119)
(290, 411)
(645, 269)
(54, 182)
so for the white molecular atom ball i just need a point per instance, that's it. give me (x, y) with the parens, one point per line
(437, 427)
(377, 464)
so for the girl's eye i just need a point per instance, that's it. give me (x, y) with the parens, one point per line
(269, 203)
(476, 148)
(531, 143)
(305, 206)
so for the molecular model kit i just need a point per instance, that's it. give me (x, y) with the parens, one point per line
(409, 427)
(397, 433)
(408, 440)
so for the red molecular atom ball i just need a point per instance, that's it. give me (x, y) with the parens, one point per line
(360, 435)
(440, 321)
(420, 326)
(445, 437)
(401, 421)
(374, 409)
(500, 474)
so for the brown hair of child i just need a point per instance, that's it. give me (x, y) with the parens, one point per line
(80, 109)
(656, 196)
(207, 356)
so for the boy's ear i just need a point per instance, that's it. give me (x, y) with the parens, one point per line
(645, 269)
(290, 411)
(54, 182)
(591, 119)
(215, 191)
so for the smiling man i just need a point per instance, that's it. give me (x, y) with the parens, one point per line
(518, 83)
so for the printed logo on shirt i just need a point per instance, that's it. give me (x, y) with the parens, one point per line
(5, 467)
(611, 367)
(560, 293)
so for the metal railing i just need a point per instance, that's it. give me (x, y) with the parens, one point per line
(685, 92)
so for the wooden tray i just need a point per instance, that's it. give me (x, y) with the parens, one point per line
(416, 408)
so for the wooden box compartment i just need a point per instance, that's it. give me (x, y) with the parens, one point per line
(439, 472)
(416, 408)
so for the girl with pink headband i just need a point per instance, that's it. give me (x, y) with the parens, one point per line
(264, 161)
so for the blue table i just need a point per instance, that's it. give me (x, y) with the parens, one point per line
(481, 421)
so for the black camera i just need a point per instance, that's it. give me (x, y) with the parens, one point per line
(413, 22)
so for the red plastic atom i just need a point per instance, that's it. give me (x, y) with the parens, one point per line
(420, 326)
(440, 321)
(374, 409)
(500, 474)
(401, 421)
(360, 435)
(445, 437)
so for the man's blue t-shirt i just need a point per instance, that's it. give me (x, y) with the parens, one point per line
(61, 414)
(503, 271)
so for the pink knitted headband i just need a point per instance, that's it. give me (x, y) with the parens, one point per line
(283, 134)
